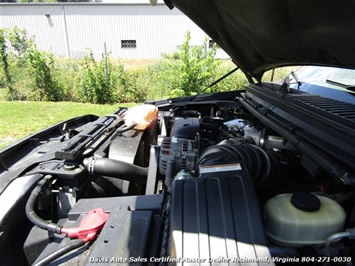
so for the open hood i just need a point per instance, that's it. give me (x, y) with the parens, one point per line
(263, 34)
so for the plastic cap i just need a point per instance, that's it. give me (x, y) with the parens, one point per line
(305, 201)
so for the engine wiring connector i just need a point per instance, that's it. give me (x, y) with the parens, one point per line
(89, 226)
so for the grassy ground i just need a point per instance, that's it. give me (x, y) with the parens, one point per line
(19, 119)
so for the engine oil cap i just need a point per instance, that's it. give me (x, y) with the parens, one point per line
(305, 201)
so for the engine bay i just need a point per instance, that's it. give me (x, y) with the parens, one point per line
(235, 177)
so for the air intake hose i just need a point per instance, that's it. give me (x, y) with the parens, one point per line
(260, 164)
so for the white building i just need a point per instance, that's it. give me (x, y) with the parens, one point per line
(129, 29)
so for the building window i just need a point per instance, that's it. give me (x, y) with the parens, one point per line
(128, 44)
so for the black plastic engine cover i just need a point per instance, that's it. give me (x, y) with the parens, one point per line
(132, 233)
(216, 219)
(185, 128)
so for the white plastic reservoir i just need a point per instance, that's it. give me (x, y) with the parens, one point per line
(302, 219)
(142, 115)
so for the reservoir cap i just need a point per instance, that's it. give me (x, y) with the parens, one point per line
(305, 201)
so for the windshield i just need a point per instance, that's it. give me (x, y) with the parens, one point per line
(331, 82)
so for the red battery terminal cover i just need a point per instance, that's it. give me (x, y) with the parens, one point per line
(89, 226)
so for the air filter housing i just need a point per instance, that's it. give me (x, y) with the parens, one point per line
(217, 216)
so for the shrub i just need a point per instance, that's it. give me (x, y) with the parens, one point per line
(136, 86)
(165, 77)
(98, 83)
(66, 71)
(235, 81)
(26, 68)
(187, 71)
(198, 65)
(38, 75)
(43, 82)
(279, 74)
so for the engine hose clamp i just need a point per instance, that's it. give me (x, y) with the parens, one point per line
(91, 165)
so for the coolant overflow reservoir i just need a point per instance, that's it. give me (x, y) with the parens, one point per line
(142, 115)
(302, 219)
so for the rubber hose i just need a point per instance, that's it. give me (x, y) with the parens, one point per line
(120, 129)
(334, 238)
(117, 169)
(124, 129)
(31, 214)
(60, 252)
(256, 161)
(260, 164)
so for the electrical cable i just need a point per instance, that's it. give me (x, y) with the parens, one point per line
(60, 252)
(30, 208)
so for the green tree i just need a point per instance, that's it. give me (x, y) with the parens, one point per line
(7, 80)
(44, 83)
(187, 71)
(19, 41)
(198, 65)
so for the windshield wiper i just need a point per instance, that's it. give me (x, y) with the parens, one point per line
(341, 85)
